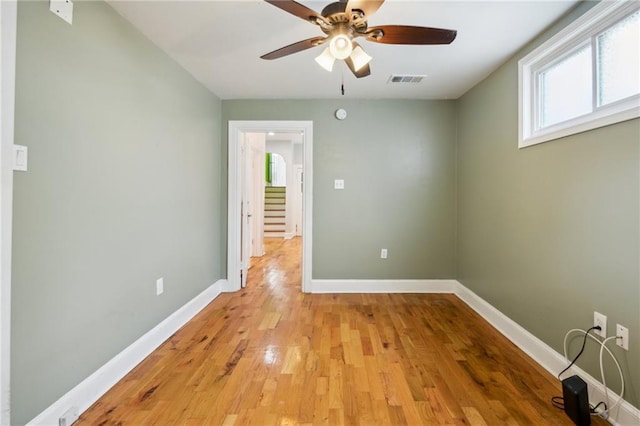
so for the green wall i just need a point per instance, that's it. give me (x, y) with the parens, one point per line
(127, 183)
(123, 187)
(397, 159)
(550, 233)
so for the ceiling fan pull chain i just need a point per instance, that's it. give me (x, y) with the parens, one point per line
(342, 86)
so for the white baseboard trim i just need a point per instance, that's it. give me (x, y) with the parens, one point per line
(383, 286)
(289, 235)
(624, 415)
(93, 387)
(97, 384)
(225, 286)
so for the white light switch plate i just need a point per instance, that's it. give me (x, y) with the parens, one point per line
(338, 184)
(20, 157)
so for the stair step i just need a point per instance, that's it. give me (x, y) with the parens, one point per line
(278, 227)
(274, 234)
(274, 207)
(275, 201)
(268, 195)
(274, 219)
(274, 213)
(275, 189)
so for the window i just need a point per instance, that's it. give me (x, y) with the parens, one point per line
(584, 77)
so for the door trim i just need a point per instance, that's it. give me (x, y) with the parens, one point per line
(8, 23)
(236, 128)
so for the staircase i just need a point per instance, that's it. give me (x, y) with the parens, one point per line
(275, 204)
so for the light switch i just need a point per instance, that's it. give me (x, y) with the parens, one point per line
(159, 286)
(20, 158)
(338, 184)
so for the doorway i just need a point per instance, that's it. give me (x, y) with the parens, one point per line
(238, 246)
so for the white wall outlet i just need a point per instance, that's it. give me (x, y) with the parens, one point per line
(600, 320)
(70, 416)
(383, 253)
(62, 8)
(338, 184)
(159, 286)
(622, 333)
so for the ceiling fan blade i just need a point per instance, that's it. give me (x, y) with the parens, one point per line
(405, 34)
(294, 48)
(368, 7)
(297, 9)
(362, 72)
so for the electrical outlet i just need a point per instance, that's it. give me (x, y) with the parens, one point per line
(159, 286)
(600, 320)
(622, 333)
(383, 254)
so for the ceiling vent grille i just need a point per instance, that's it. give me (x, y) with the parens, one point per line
(398, 78)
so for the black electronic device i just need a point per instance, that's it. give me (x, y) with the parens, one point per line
(576, 400)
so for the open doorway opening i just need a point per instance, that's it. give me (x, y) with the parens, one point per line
(263, 216)
(284, 187)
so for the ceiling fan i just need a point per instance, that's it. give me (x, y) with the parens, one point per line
(343, 22)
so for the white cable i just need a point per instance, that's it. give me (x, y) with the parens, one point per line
(604, 383)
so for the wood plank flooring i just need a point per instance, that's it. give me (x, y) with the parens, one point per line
(271, 355)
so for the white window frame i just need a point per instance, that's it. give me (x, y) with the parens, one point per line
(583, 30)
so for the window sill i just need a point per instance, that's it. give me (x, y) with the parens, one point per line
(611, 114)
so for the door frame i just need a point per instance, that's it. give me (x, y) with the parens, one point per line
(234, 196)
(8, 23)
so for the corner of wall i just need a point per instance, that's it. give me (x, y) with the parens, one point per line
(104, 378)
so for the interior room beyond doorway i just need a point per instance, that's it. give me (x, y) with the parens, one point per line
(268, 156)
(276, 196)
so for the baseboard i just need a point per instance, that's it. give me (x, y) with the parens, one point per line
(383, 286)
(97, 384)
(225, 286)
(544, 354)
(289, 235)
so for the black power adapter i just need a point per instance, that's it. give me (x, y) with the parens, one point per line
(576, 400)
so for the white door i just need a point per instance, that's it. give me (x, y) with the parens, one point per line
(245, 216)
(298, 191)
(256, 152)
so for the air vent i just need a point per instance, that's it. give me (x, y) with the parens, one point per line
(397, 78)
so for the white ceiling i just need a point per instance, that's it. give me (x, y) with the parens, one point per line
(220, 44)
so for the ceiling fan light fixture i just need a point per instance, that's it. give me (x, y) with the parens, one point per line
(359, 58)
(341, 46)
(326, 59)
(343, 21)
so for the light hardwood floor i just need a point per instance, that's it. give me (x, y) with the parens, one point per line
(270, 355)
